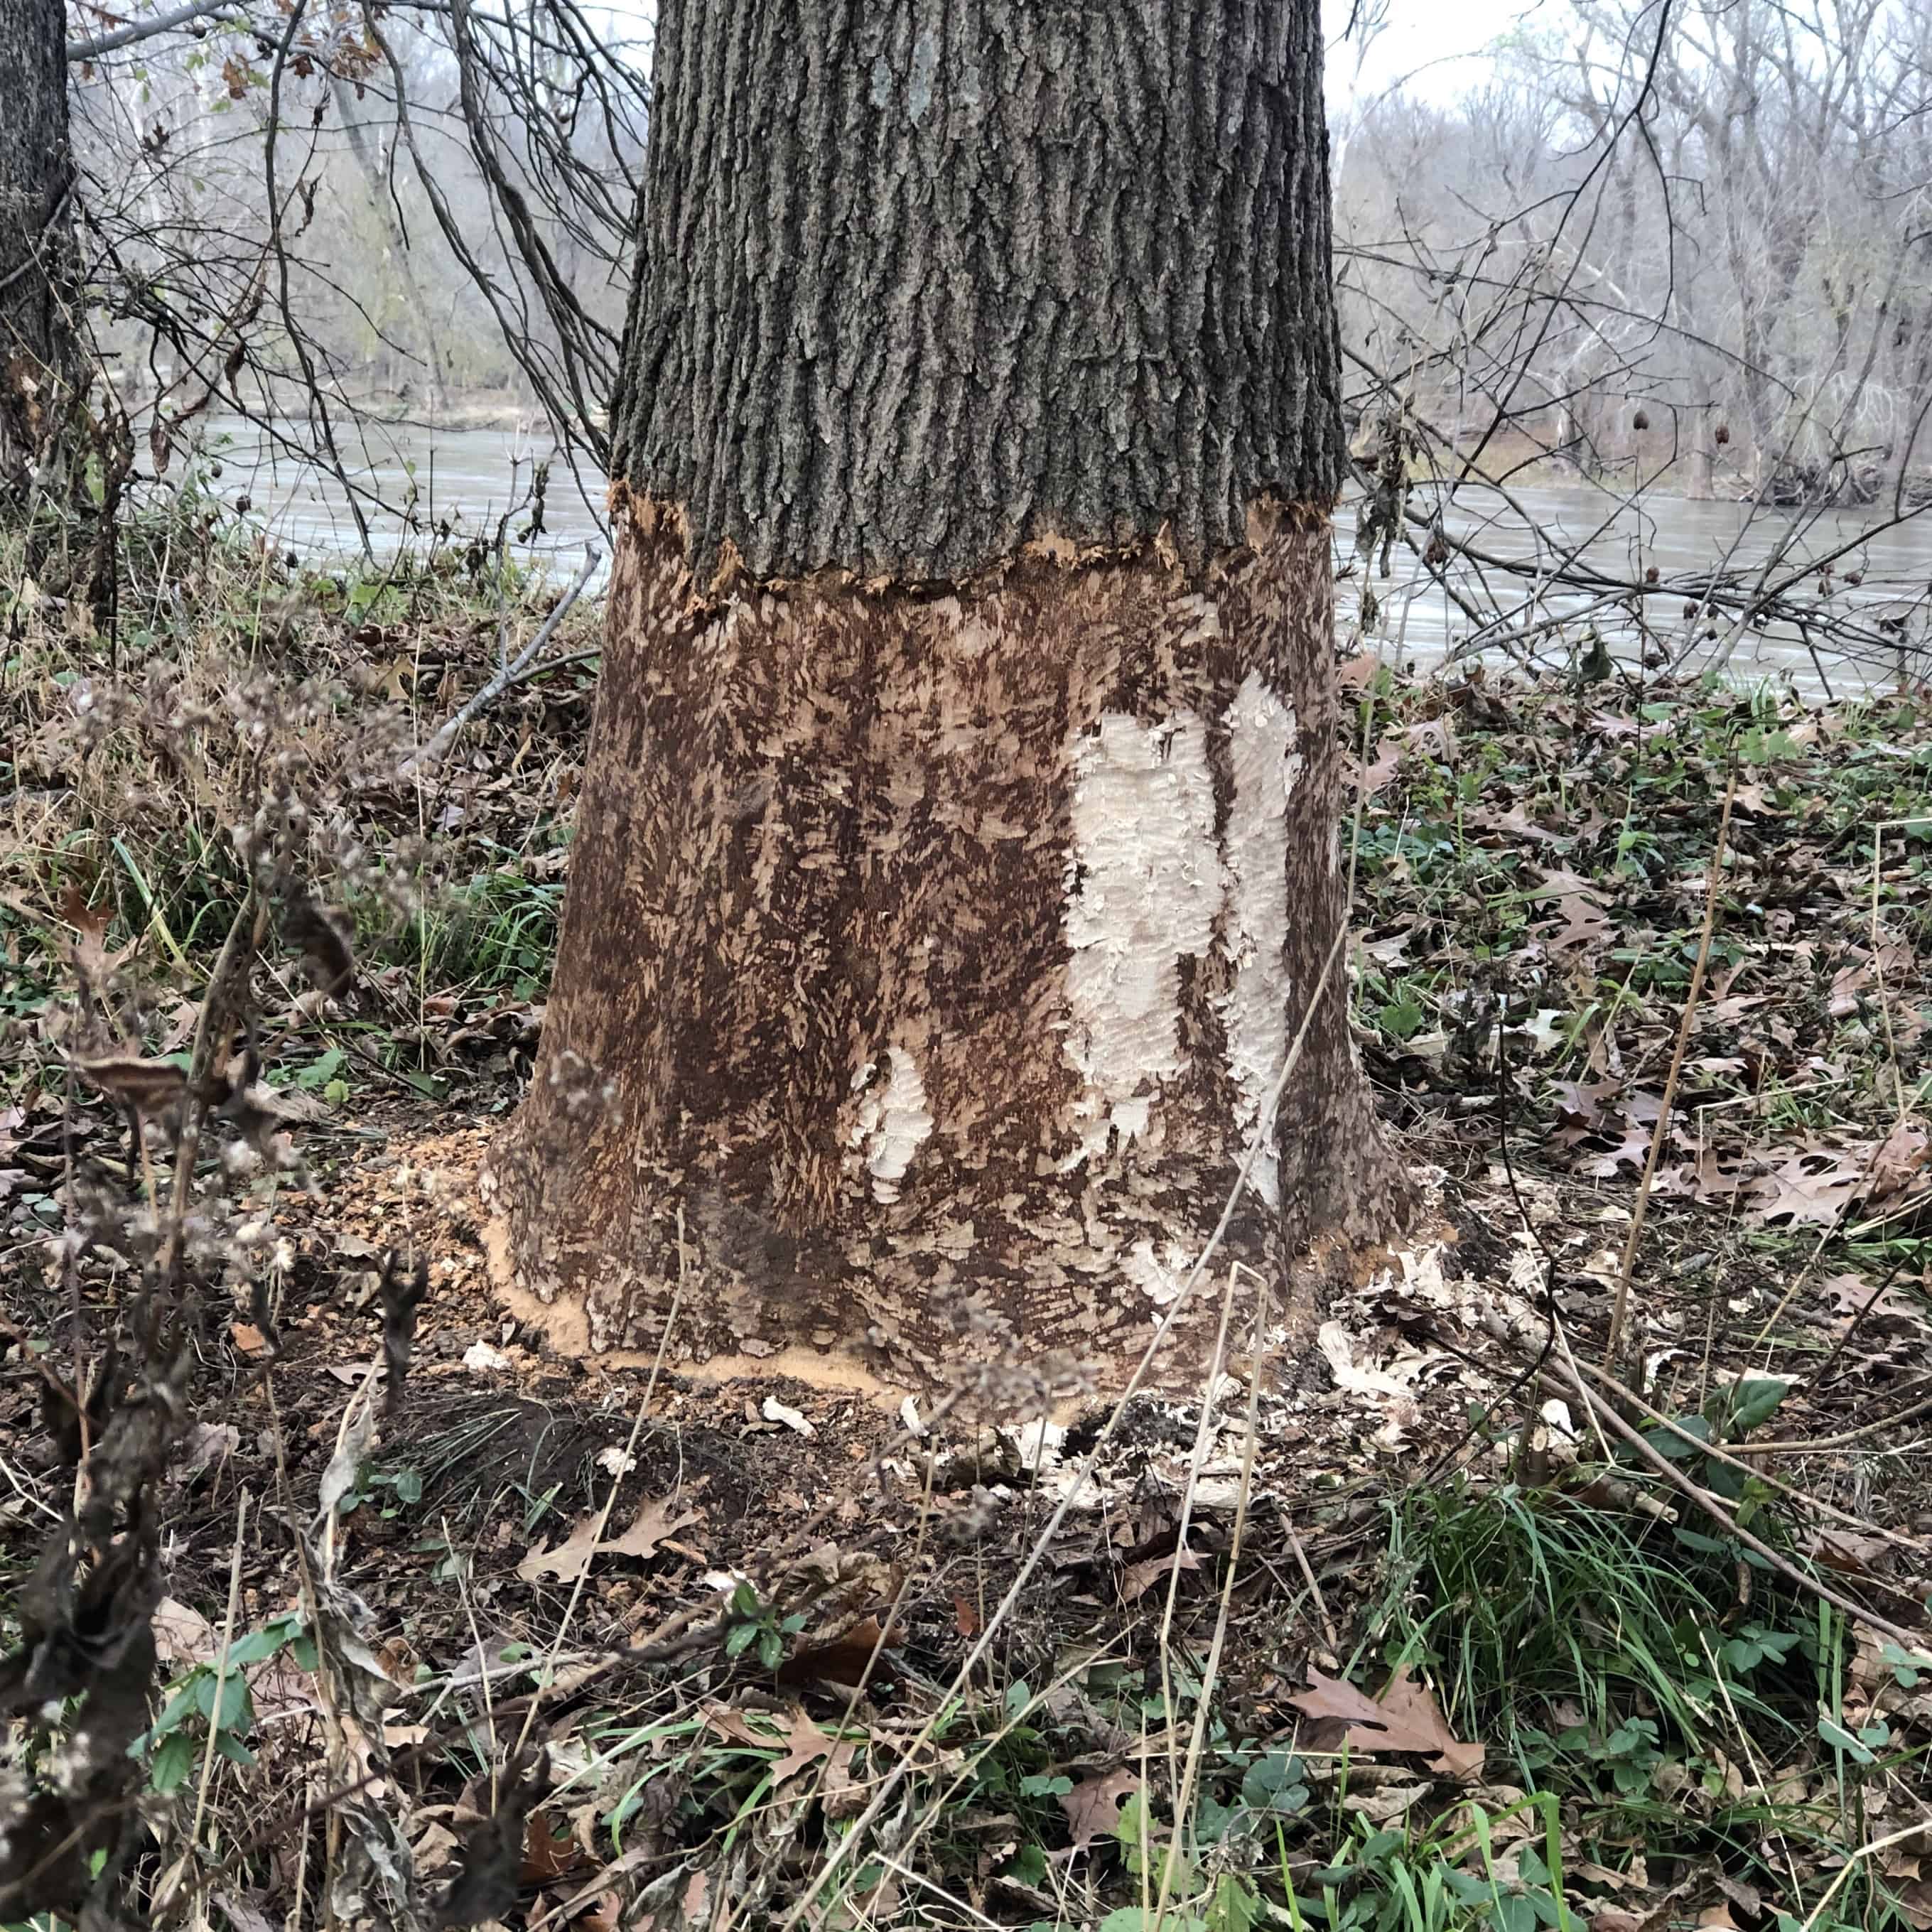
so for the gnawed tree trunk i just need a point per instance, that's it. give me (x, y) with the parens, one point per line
(38, 355)
(957, 852)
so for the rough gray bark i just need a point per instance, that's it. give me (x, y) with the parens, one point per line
(923, 281)
(957, 851)
(37, 257)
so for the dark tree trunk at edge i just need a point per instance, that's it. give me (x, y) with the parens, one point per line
(38, 348)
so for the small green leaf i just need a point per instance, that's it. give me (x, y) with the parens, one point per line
(1514, 1913)
(1029, 1866)
(1236, 1906)
(1840, 1739)
(230, 1689)
(1905, 1665)
(252, 1646)
(232, 1748)
(181, 1705)
(320, 1071)
(172, 1762)
(1401, 1019)
(1668, 1442)
(1705, 1546)
(739, 1639)
(1755, 1400)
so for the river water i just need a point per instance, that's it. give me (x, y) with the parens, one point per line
(469, 479)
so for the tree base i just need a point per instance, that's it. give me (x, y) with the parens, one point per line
(930, 958)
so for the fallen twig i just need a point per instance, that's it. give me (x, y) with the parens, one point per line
(514, 674)
(1732, 1454)
(1906, 1640)
(1858, 1858)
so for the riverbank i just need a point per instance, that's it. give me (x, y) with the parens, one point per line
(1426, 1643)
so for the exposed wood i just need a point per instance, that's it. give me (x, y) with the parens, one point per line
(956, 850)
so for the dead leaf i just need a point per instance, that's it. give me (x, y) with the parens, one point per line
(1338, 1348)
(1584, 924)
(1137, 1579)
(91, 923)
(1743, 1894)
(1802, 1190)
(805, 1743)
(568, 1561)
(242, 1913)
(1406, 1719)
(182, 1635)
(1092, 1806)
(1386, 1803)
(346, 1464)
(1518, 823)
(1592, 1873)
(250, 1341)
(845, 1659)
(550, 1850)
(965, 1618)
(697, 1895)
(775, 1411)
(1849, 1552)
(208, 1442)
(1900, 1158)
(1914, 1901)
(1371, 777)
(652, 1523)
(571, 1558)
(1852, 1295)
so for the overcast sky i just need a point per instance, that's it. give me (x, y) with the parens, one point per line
(1440, 42)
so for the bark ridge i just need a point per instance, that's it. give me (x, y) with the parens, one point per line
(921, 280)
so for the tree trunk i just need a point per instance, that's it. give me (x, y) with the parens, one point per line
(376, 178)
(957, 852)
(38, 355)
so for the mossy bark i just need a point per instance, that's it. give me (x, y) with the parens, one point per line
(957, 853)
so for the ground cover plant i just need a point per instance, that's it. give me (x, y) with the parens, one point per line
(336, 1595)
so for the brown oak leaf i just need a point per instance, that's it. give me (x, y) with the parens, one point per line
(1092, 1806)
(654, 1521)
(1404, 1718)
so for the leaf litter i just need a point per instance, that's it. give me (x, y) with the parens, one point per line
(1495, 874)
